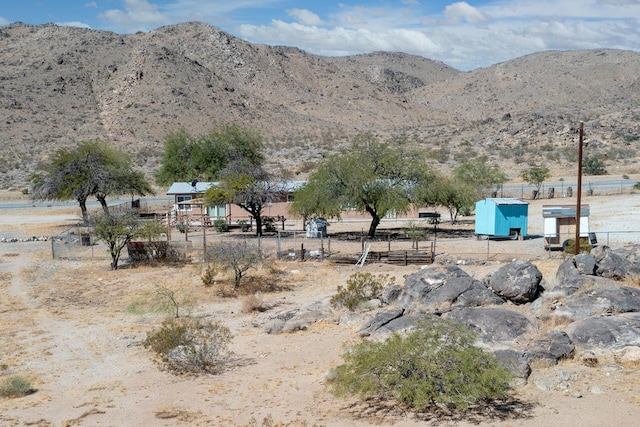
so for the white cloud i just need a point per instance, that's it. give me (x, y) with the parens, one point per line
(138, 14)
(3, 21)
(91, 4)
(465, 34)
(305, 17)
(73, 24)
(463, 11)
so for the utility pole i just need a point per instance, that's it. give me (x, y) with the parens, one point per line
(579, 198)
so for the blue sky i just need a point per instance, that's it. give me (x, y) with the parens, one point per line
(464, 35)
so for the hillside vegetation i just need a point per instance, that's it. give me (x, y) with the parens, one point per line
(63, 85)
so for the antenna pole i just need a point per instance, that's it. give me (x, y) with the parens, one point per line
(579, 198)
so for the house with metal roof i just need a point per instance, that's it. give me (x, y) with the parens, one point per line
(502, 217)
(189, 205)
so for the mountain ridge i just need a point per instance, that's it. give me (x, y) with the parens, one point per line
(63, 85)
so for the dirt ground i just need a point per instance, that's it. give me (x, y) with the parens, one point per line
(67, 326)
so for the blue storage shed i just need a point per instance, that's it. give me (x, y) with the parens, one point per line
(502, 217)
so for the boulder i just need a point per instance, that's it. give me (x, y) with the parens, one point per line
(405, 323)
(585, 264)
(613, 266)
(517, 363)
(299, 319)
(498, 328)
(569, 280)
(552, 347)
(606, 334)
(379, 320)
(629, 356)
(606, 300)
(438, 289)
(391, 294)
(518, 282)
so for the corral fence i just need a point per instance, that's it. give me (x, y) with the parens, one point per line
(297, 246)
(77, 243)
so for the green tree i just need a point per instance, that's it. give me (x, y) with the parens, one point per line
(535, 175)
(457, 196)
(314, 198)
(91, 169)
(482, 176)
(187, 157)
(436, 365)
(250, 190)
(116, 231)
(175, 164)
(371, 176)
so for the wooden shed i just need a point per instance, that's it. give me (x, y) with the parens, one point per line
(502, 217)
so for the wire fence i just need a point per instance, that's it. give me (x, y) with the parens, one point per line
(561, 189)
(76, 243)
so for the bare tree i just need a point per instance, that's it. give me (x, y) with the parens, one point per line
(237, 256)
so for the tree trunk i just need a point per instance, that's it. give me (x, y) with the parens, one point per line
(374, 225)
(103, 203)
(258, 219)
(83, 209)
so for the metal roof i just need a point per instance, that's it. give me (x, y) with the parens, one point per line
(563, 211)
(187, 188)
(507, 201)
(201, 187)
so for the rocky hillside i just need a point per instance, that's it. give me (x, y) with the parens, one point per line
(62, 85)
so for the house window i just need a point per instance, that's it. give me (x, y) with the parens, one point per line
(290, 197)
(219, 211)
(183, 206)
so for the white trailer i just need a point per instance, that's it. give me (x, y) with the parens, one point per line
(560, 225)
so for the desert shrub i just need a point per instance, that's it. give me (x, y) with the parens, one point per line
(436, 366)
(569, 247)
(209, 274)
(594, 166)
(190, 345)
(220, 225)
(636, 186)
(244, 226)
(361, 287)
(15, 387)
(182, 227)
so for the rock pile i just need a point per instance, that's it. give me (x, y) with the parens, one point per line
(590, 310)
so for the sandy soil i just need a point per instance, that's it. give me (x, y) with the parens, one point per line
(65, 326)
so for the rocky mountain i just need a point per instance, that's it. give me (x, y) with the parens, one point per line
(62, 85)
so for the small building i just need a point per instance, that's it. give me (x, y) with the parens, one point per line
(560, 225)
(189, 205)
(502, 217)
